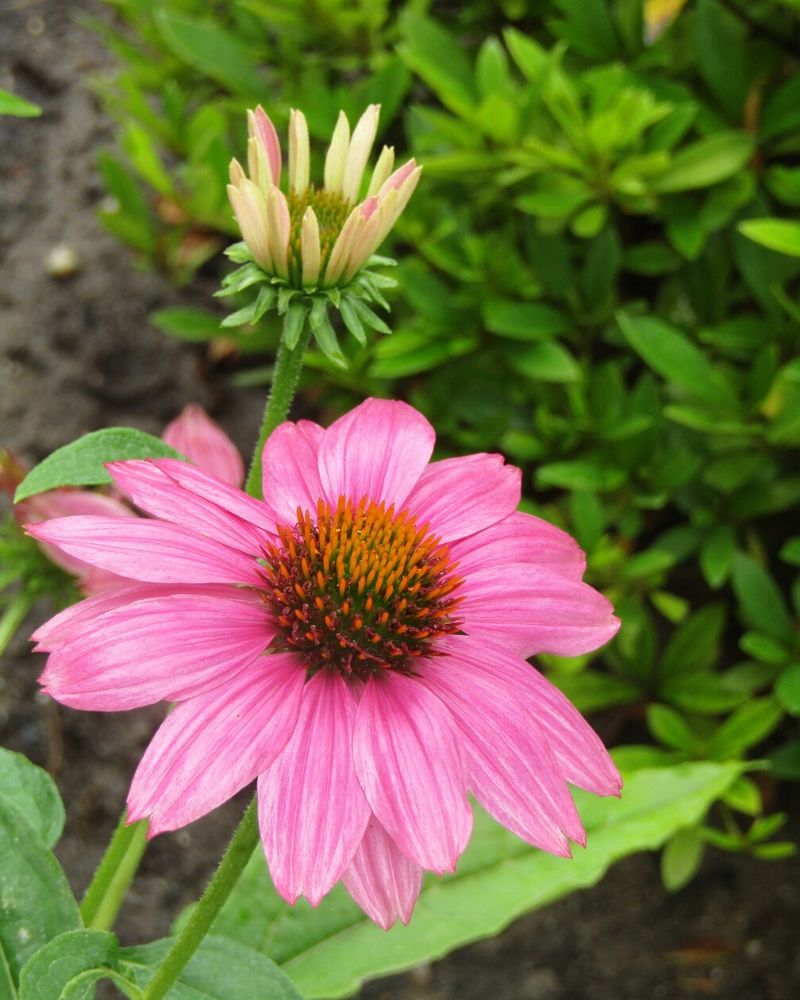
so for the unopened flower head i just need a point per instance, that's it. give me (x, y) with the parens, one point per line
(319, 240)
(356, 641)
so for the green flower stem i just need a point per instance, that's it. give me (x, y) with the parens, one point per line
(13, 616)
(114, 874)
(288, 365)
(231, 866)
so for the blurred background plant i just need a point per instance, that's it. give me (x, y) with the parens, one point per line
(598, 284)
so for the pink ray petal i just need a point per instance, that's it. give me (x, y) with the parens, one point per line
(535, 610)
(232, 500)
(194, 434)
(581, 756)
(383, 882)
(459, 496)
(378, 450)
(213, 745)
(290, 475)
(312, 812)
(520, 538)
(164, 648)
(512, 770)
(408, 758)
(149, 551)
(264, 131)
(150, 486)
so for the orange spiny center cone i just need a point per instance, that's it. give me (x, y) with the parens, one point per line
(360, 589)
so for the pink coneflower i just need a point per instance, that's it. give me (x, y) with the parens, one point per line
(356, 642)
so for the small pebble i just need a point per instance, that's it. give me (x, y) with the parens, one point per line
(62, 261)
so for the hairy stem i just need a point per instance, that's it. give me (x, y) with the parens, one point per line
(210, 903)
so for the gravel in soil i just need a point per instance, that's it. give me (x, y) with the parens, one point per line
(76, 353)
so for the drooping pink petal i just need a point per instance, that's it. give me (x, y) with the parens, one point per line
(383, 882)
(150, 486)
(534, 610)
(194, 434)
(72, 620)
(409, 762)
(459, 496)
(290, 473)
(513, 772)
(149, 551)
(214, 744)
(519, 538)
(581, 756)
(157, 648)
(378, 450)
(312, 812)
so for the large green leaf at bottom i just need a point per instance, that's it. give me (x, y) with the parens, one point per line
(30, 791)
(330, 950)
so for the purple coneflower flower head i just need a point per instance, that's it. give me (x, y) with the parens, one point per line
(356, 642)
(315, 244)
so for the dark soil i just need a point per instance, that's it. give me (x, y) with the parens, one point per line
(78, 353)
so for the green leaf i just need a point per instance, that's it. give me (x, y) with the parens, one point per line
(81, 463)
(37, 903)
(524, 320)
(580, 474)
(211, 50)
(762, 605)
(782, 235)
(195, 325)
(31, 792)
(672, 355)
(681, 858)
(293, 322)
(787, 689)
(705, 162)
(436, 58)
(220, 969)
(716, 554)
(18, 107)
(330, 950)
(747, 726)
(67, 967)
(670, 728)
(744, 796)
(545, 362)
(721, 55)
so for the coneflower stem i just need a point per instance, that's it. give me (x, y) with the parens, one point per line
(208, 906)
(114, 874)
(288, 365)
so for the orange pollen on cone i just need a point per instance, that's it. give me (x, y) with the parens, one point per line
(331, 210)
(360, 589)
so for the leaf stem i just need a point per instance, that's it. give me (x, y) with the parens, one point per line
(114, 874)
(288, 365)
(13, 616)
(231, 866)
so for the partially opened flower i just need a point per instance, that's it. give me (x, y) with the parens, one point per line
(356, 642)
(316, 242)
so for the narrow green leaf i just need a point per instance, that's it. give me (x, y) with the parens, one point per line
(672, 355)
(18, 107)
(352, 322)
(195, 325)
(547, 361)
(681, 858)
(524, 320)
(705, 162)
(787, 689)
(81, 463)
(782, 235)
(29, 790)
(293, 323)
(670, 728)
(747, 726)
(330, 950)
(762, 605)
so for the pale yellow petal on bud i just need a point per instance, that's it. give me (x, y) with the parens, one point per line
(278, 226)
(360, 147)
(336, 157)
(382, 171)
(371, 236)
(310, 250)
(258, 166)
(349, 235)
(299, 152)
(251, 214)
(236, 173)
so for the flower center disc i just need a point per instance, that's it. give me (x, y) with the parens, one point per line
(359, 589)
(331, 210)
